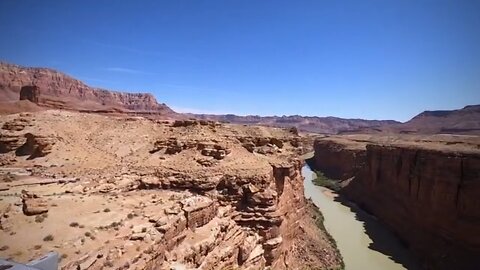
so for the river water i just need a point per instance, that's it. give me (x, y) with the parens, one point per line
(348, 225)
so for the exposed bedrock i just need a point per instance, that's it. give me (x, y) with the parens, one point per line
(336, 160)
(428, 196)
(51, 88)
(30, 92)
(253, 222)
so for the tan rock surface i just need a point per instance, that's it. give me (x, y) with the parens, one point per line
(117, 199)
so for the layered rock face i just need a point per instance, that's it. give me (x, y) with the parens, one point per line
(14, 139)
(51, 88)
(427, 193)
(337, 160)
(116, 192)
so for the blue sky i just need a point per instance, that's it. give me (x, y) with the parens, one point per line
(373, 59)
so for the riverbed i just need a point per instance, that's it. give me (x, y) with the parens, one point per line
(347, 224)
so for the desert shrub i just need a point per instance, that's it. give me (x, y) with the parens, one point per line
(39, 219)
(48, 238)
(74, 224)
(324, 181)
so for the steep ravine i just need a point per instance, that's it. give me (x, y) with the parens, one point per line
(427, 195)
(363, 241)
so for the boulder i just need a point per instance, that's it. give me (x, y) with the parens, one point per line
(33, 204)
(199, 210)
(216, 151)
(277, 142)
(35, 146)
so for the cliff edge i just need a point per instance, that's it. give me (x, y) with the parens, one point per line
(425, 188)
(49, 88)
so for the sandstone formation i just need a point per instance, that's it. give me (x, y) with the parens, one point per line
(14, 139)
(424, 188)
(33, 205)
(50, 88)
(134, 193)
(30, 92)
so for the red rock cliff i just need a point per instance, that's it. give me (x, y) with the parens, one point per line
(58, 90)
(429, 197)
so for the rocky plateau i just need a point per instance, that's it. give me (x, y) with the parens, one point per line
(118, 192)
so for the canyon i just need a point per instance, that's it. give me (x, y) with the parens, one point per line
(117, 192)
(117, 180)
(425, 188)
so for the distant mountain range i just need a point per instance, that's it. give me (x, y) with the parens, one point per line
(328, 125)
(42, 88)
(466, 120)
(463, 121)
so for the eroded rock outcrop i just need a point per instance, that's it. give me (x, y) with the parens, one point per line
(210, 149)
(428, 194)
(198, 211)
(261, 145)
(193, 122)
(17, 124)
(35, 146)
(15, 137)
(142, 194)
(33, 204)
(10, 142)
(30, 92)
(265, 210)
(51, 88)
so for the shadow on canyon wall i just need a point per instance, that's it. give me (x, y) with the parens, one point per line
(383, 239)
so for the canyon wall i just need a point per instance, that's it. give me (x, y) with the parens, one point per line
(427, 195)
(51, 88)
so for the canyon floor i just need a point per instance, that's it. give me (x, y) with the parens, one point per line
(111, 192)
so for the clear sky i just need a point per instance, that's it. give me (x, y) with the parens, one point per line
(373, 59)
